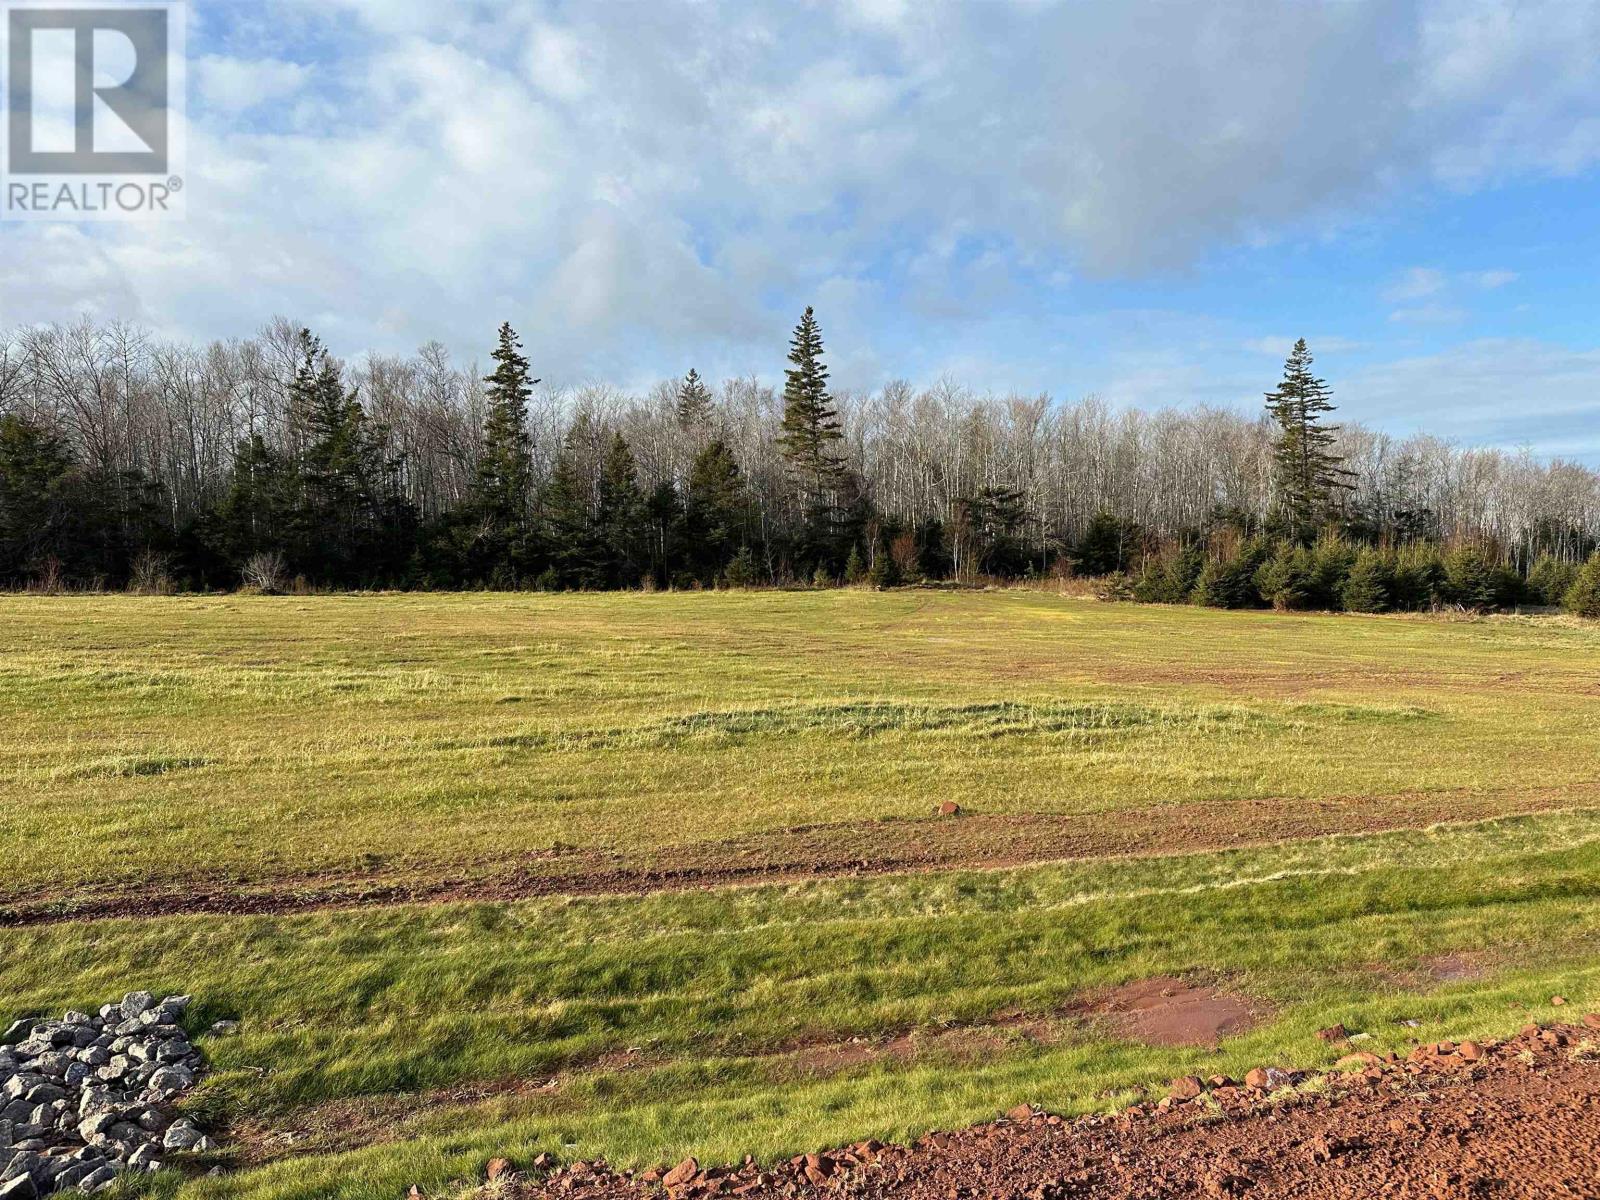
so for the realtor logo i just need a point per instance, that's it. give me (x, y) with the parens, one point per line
(94, 109)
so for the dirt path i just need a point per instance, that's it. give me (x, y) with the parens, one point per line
(1519, 1121)
(975, 840)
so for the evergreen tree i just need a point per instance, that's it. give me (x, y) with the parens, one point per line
(577, 550)
(36, 510)
(992, 521)
(742, 571)
(694, 402)
(854, 569)
(1369, 588)
(620, 515)
(1583, 597)
(664, 517)
(885, 572)
(1288, 580)
(1307, 472)
(718, 511)
(257, 513)
(1229, 581)
(1550, 578)
(810, 434)
(350, 521)
(503, 482)
(1107, 546)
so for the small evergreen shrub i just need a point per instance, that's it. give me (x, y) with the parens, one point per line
(1288, 580)
(1369, 587)
(1551, 579)
(1583, 597)
(1170, 578)
(1230, 582)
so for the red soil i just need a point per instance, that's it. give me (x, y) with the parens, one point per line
(1519, 1119)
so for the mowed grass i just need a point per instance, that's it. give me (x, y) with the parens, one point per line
(271, 738)
(715, 992)
(270, 741)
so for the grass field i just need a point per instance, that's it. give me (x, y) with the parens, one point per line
(1365, 820)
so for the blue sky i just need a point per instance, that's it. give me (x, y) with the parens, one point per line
(1144, 202)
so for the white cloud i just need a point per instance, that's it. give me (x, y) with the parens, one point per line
(234, 85)
(674, 174)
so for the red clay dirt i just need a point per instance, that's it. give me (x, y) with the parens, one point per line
(1518, 1120)
(1174, 1012)
(975, 840)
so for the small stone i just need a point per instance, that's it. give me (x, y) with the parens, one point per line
(1470, 1051)
(100, 1177)
(681, 1174)
(1333, 1033)
(224, 1029)
(1021, 1113)
(1558, 1001)
(135, 1004)
(18, 1031)
(1258, 1079)
(1186, 1087)
(1591, 1020)
(182, 1135)
(949, 809)
(496, 1168)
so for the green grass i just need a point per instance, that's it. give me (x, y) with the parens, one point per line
(263, 741)
(268, 738)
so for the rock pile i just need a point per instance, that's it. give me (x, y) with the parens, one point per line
(85, 1097)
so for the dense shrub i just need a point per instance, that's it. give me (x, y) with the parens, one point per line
(1550, 580)
(1369, 586)
(1418, 578)
(1474, 580)
(1229, 581)
(1288, 580)
(1583, 597)
(1169, 578)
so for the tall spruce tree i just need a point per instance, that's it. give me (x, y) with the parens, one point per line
(620, 516)
(717, 515)
(810, 422)
(503, 482)
(349, 514)
(1308, 474)
(570, 511)
(694, 402)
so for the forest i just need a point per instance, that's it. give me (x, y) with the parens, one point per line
(268, 463)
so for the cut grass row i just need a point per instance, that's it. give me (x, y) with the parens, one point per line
(263, 739)
(340, 1006)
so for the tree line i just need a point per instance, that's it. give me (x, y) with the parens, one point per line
(268, 462)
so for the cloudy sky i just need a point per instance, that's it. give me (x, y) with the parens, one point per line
(1146, 202)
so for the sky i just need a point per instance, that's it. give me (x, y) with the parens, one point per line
(1144, 202)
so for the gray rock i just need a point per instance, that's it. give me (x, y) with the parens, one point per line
(18, 1030)
(98, 1179)
(136, 1004)
(183, 1135)
(144, 1159)
(45, 1093)
(94, 1128)
(169, 1081)
(19, 1187)
(154, 1120)
(22, 1164)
